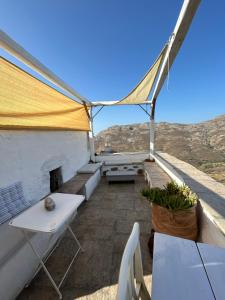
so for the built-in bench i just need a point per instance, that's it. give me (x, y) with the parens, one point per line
(122, 167)
(121, 176)
(122, 162)
(154, 175)
(75, 185)
(84, 182)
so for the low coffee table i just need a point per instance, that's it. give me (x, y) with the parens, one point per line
(121, 176)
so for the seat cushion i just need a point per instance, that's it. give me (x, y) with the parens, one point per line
(89, 168)
(12, 201)
(4, 212)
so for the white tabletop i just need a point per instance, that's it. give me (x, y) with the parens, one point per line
(37, 219)
(214, 261)
(178, 270)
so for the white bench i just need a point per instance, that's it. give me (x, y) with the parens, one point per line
(85, 182)
(95, 171)
(184, 270)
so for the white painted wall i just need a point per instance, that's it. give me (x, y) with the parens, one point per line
(28, 156)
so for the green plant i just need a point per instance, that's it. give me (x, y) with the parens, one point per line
(172, 188)
(172, 196)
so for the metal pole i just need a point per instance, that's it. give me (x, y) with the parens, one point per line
(183, 23)
(91, 136)
(152, 138)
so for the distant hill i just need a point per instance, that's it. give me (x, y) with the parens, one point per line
(202, 144)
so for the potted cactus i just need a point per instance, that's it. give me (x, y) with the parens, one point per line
(173, 210)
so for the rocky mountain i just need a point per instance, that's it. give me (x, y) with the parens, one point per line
(202, 144)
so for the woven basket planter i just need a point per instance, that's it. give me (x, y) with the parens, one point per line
(180, 223)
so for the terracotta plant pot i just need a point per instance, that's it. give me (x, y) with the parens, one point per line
(180, 223)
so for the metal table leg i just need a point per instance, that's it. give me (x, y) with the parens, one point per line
(56, 287)
(78, 250)
(42, 264)
(75, 238)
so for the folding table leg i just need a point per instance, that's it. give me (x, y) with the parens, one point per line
(42, 264)
(75, 238)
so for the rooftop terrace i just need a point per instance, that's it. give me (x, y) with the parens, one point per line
(103, 225)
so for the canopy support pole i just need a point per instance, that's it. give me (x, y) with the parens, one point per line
(152, 138)
(186, 15)
(183, 23)
(91, 136)
(152, 132)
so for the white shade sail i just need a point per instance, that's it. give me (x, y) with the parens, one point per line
(141, 92)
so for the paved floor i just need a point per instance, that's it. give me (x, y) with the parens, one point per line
(103, 225)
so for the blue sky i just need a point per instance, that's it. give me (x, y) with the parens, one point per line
(103, 48)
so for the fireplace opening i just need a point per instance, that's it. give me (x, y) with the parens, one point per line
(55, 179)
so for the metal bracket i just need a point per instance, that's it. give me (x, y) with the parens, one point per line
(144, 109)
(97, 112)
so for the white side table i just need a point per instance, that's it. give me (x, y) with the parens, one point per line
(38, 219)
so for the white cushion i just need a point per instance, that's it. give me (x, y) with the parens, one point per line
(89, 168)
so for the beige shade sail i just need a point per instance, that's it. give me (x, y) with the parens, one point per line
(141, 92)
(28, 103)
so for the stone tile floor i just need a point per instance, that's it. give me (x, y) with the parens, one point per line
(102, 225)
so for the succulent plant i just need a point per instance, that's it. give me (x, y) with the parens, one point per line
(172, 196)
